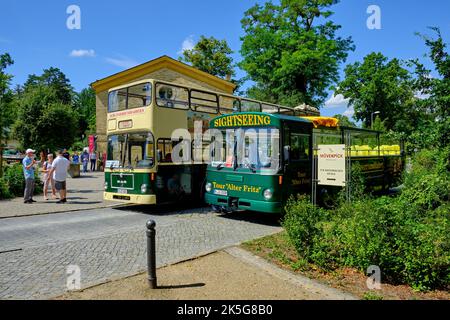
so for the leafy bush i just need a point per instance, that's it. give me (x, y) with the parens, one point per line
(300, 223)
(407, 236)
(4, 190)
(16, 180)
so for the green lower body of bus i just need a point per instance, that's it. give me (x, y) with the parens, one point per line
(233, 191)
(234, 204)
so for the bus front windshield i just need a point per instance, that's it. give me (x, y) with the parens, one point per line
(251, 148)
(130, 150)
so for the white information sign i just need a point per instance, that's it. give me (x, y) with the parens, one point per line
(112, 164)
(331, 165)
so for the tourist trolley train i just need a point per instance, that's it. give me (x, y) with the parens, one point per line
(268, 157)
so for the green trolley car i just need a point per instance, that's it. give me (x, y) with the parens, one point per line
(259, 160)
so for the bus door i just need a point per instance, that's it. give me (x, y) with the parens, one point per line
(297, 154)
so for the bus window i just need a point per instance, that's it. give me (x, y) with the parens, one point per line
(129, 150)
(117, 100)
(204, 102)
(269, 108)
(228, 104)
(165, 146)
(287, 112)
(171, 96)
(139, 96)
(299, 146)
(249, 106)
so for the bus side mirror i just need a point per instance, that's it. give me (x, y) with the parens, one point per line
(287, 153)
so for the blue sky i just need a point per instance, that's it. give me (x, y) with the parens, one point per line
(115, 35)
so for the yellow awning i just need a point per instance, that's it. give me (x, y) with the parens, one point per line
(323, 121)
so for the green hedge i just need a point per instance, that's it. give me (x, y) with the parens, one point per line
(407, 236)
(14, 182)
(4, 190)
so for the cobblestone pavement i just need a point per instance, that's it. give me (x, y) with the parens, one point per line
(109, 243)
(84, 193)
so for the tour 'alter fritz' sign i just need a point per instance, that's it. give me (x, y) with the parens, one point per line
(331, 165)
(242, 120)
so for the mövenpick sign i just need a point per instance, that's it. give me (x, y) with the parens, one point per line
(331, 165)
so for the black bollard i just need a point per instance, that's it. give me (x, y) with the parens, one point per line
(151, 254)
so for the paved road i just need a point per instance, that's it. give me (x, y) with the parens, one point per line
(109, 243)
(84, 193)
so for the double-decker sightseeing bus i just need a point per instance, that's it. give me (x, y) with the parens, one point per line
(263, 158)
(142, 118)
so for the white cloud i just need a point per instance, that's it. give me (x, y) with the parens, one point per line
(188, 44)
(349, 112)
(82, 53)
(336, 101)
(122, 61)
(421, 95)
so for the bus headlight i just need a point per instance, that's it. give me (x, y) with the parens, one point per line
(106, 185)
(208, 187)
(144, 188)
(268, 194)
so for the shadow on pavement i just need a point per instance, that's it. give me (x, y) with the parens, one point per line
(69, 201)
(267, 219)
(82, 191)
(181, 286)
(165, 209)
(183, 208)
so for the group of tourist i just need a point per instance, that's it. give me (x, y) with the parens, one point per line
(55, 171)
(55, 174)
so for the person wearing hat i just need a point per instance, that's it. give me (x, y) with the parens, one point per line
(28, 170)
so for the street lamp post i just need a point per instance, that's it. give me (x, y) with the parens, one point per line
(371, 118)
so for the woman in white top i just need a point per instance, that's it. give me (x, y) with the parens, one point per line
(48, 178)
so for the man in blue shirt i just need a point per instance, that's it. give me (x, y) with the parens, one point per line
(28, 170)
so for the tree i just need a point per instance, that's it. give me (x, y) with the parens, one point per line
(379, 84)
(344, 121)
(84, 105)
(6, 98)
(291, 51)
(43, 122)
(212, 56)
(435, 104)
(54, 78)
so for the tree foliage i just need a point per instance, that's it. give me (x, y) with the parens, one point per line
(344, 121)
(380, 84)
(84, 106)
(44, 122)
(434, 107)
(212, 56)
(55, 79)
(7, 110)
(292, 51)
